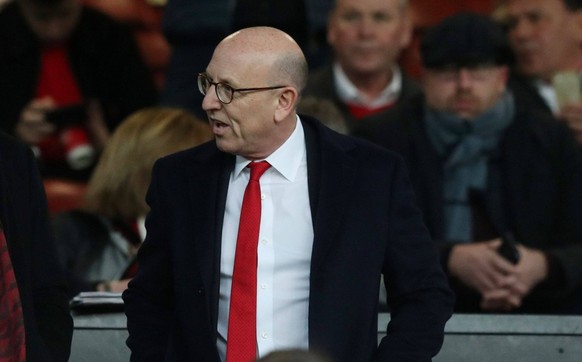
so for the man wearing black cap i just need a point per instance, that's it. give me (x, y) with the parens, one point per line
(500, 188)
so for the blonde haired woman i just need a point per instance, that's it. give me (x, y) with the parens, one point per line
(97, 244)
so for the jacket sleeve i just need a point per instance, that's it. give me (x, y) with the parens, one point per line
(565, 248)
(418, 293)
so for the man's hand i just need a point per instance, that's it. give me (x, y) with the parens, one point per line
(572, 115)
(501, 299)
(32, 126)
(115, 286)
(531, 270)
(479, 266)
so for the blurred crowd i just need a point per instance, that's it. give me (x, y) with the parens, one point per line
(485, 108)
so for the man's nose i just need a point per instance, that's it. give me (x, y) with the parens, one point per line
(520, 29)
(210, 100)
(464, 79)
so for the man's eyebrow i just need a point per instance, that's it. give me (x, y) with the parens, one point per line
(220, 80)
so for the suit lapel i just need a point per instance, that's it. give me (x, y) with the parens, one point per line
(214, 182)
(331, 176)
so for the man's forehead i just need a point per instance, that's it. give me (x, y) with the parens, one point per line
(42, 9)
(234, 68)
(518, 7)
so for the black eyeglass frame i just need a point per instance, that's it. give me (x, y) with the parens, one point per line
(229, 88)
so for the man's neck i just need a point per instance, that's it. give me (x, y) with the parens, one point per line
(371, 85)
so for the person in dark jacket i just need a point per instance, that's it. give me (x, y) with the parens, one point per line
(35, 323)
(332, 215)
(545, 36)
(59, 55)
(500, 188)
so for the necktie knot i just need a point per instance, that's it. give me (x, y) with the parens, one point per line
(258, 169)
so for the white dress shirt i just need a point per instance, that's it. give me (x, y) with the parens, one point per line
(284, 249)
(348, 92)
(548, 93)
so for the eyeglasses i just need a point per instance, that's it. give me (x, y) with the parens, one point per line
(225, 92)
(479, 72)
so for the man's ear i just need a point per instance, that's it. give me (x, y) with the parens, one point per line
(286, 103)
(504, 69)
(503, 77)
(578, 25)
(407, 28)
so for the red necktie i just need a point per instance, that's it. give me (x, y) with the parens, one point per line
(242, 322)
(12, 341)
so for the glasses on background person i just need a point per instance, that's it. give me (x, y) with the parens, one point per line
(475, 72)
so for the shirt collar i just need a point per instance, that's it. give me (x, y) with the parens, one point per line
(286, 159)
(348, 92)
(548, 93)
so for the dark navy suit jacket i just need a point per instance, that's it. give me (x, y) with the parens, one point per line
(364, 224)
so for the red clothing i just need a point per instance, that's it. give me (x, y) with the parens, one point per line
(56, 78)
(12, 336)
(359, 111)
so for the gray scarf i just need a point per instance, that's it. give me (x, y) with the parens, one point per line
(466, 146)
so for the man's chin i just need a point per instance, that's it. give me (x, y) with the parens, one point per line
(366, 67)
(467, 116)
(530, 69)
(225, 146)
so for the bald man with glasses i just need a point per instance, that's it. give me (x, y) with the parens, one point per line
(275, 235)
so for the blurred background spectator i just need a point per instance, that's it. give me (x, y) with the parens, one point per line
(193, 28)
(69, 75)
(325, 111)
(97, 243)
(546, 36)
(500, 187)
(143, 18)
(367, 37)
